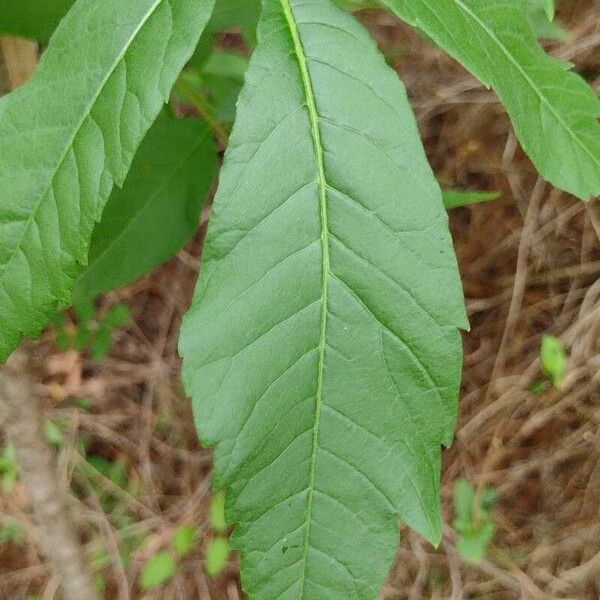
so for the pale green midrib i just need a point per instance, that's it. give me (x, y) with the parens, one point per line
(316, 136)
(178, 167)
(69, 144)
(528, 79)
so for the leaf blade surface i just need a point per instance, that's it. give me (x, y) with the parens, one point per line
(70, 133)
(158, 208)
(322, 360)
(553, 111)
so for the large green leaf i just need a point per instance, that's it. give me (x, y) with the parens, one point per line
(157, 210)
(71, 132)
(321, 349)
(554, 112)
(35, 19)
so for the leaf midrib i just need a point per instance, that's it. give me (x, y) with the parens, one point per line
(325, 266)
(71, 140)
(490, 33)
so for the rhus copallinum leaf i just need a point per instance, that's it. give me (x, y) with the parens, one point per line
(70, 133)
(553, 111)
(158, 208)
(321, 349)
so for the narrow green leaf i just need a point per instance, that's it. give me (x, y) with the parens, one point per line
(554, 359)
(321, 349)
(549, 8)
(473, 524)
(157, 210)
(70, 133)
(457, 198)
(185, 539)
(159, 569)
(216, 514)
(554, 112)
(223, 76)
(36, 19)
(217, 555)
(118, 316)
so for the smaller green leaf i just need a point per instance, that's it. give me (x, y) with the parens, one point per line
(537, 387)
(157, 211)
(217, 555)
(549, 8)
(159, 569)
(554, 360)
(216, 514)
(114, 471)
(185, 539)
(82, 338)
(84, 310)
(83, 403)
(223, 76)
(9, 468)
(464, 496)
(541, 18)
(118, 316)
(11, 533)
(475, 529)
(53, 433)
(36, 19)
(63, 341)
(457, 198)
(472, 545)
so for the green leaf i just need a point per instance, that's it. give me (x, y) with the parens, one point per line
(157, 210)
(475, 529)
(159, 569)
(217, 555)
(11, 533)
(472, 545)
(70, 133)
(36, 19)
(321, 349)
(548, 6)
(216, 513)
(53, 433)
(185, 539)
(101, 343)
(457, 198)
(223, 76)
(554, 112)
(541, 18)
(118, 316)
(554, 360)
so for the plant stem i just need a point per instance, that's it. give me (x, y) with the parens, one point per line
(24, 430)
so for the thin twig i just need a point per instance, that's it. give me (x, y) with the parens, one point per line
(24, 429)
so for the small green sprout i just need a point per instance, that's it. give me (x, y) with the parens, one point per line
(159, 569)
(554, 360)
(9, 468)
(473, 524)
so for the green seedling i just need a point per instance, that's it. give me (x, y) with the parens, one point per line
(473, 522)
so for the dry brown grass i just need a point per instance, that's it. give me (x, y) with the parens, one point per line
(530, 264)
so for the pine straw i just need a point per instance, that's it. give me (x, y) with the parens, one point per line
(530, 264)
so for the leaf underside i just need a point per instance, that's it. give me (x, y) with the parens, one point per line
(321, 349)
(70, 133)
(158, 208)
(553, 111)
